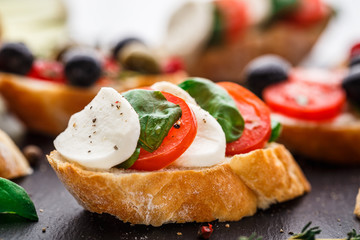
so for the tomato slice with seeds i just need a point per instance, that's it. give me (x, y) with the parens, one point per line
(235, 16)
(309, 12)
(175, 143)
(47, 70)
(306, 99)
(257, 120)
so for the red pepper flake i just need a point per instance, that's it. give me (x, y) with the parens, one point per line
(205, 231)
(117, 102)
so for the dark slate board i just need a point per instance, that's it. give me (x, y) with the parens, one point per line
(329, 205)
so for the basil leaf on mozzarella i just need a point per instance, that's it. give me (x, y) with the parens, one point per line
(275, 130)
(218, 103)
(156, 115)
(283, 6)
(15, 200)
(131, 160)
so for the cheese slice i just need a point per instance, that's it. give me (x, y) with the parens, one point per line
(208, 147)
(105, 133)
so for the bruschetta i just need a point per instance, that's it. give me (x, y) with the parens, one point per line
(316, 108)
(197, 151)
(45, 93)
(218, 38)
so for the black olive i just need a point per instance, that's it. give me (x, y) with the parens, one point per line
(122, 43)
(351, 85)
(82, 68)
(264, 71)
(15, 58)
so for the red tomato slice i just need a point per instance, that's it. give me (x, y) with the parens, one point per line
(257, 120)
(174, 144)
(332, 78)
(355, 50)
(235, 16)
(309, 12)
(47, 70)
(307, 99)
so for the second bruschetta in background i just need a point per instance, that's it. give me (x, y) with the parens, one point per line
(218, 38)
(45, 93)
(316, 108)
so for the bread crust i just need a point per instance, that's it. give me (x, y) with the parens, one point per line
(335, 142)
(357, 205)
(13, 164)
(226, 62)
(185, 195)
(46, 107)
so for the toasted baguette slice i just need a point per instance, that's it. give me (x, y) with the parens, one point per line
(228, 192)
(226, 63)
(357, 205)
(46, 107)
(336, 141)
(12, 162)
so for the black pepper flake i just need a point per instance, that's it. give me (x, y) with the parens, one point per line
(94, 132)
(112, 105)
(115, 147)
(89, 136)
(117, 106)
(121, 114)
(94, 125)
(90, 107)
(89, 151)
(176, 125)
(90, 141)
(94, 120)
(204, 120)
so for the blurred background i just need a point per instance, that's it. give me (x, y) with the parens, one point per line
(45, 24)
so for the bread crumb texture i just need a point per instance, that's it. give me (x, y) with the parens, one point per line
(226, 192)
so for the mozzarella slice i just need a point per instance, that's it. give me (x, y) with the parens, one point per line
(175, 90)
(259, 10)
(105, 133)
(208, 147)
(189, 29)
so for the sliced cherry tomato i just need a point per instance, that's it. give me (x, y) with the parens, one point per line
(173, 65)
(47, 70)
(305, 97)
(257, 120)
(355, 50)
(236, 18)
(309, 12)
(175, 143)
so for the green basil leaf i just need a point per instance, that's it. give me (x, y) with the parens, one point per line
(280, 7)
(218, 103)
(131, 160)
(15, 200)
(275, 130)
(217, 34)
(156, 115)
